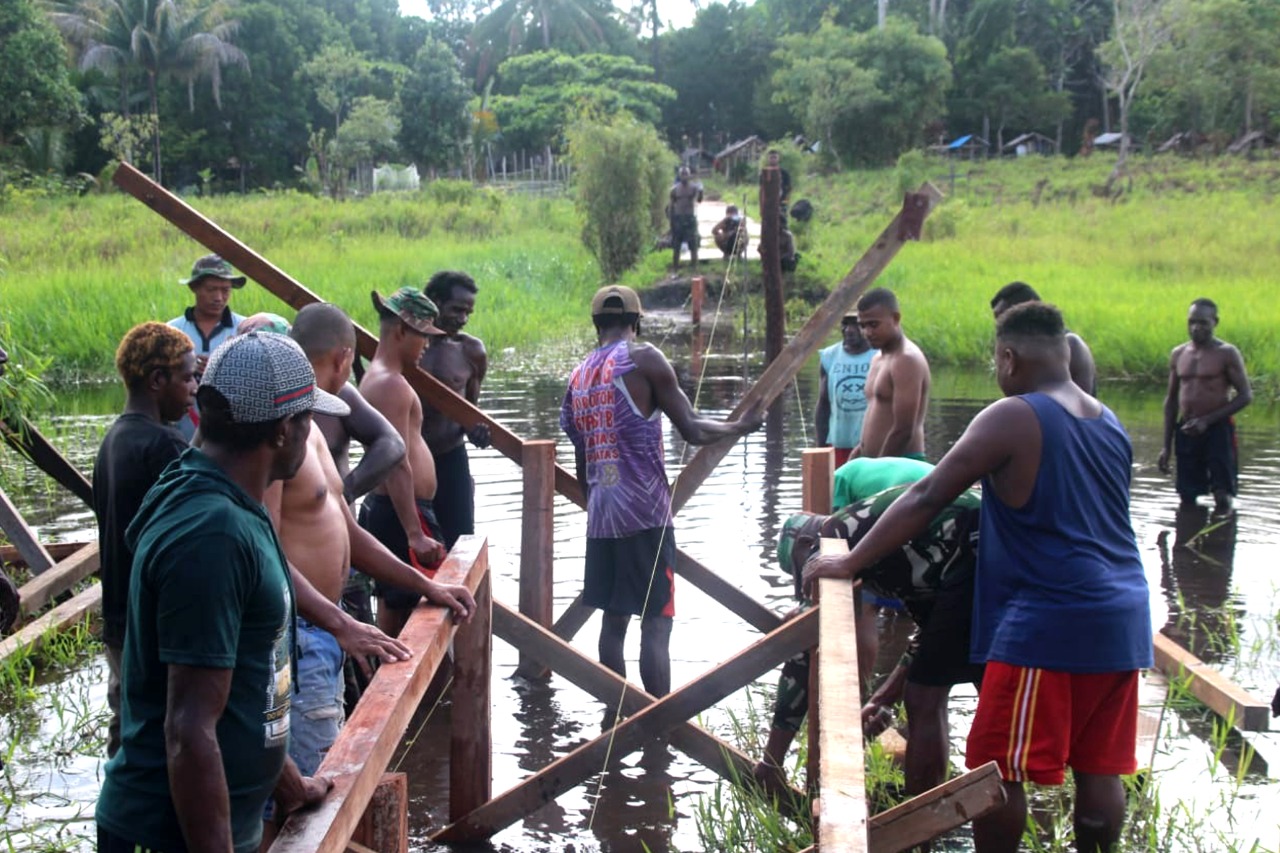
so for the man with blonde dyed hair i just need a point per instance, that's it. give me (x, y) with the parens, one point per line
(157, 364)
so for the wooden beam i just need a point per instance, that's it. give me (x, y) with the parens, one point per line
(938, 810)
(609, 687)
(537, 542)
(717, 588)
(23, 437)
(15, 527)
(817, 478)
(58, 550)
(775, 312)
(42, 589)
(471, 735)
(778, 375)
(668, 712)
(204, 231)
(1225, 698)
(36, 633)
(358, 758)
(842, 793)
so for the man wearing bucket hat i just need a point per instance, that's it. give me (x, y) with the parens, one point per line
(933, 574)
(208, 654)
(611, 413)
(210, 321)
(399, 512)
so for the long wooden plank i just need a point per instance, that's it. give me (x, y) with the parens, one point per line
(23, 437)
(609, 687)
(668, 712)
(358, 758)
(23, 538)
(938, 810)
(537, 542)
(1225, 698)
(35, 634)
(58, 550)
(842, 793)
(204, 231)
(777, 376)
(471, 736)
(42, 589)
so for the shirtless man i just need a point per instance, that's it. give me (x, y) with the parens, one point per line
(403, 521)
(322, 541)
(683, 210)
(1083, 372)
(459, 361)
(897, 386)
(1199, 407)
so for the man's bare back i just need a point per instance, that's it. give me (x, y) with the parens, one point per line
(897, 392)
(459, 362)
(312, 520)
(389, 392)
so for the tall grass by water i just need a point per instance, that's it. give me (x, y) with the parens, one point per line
(80, 272)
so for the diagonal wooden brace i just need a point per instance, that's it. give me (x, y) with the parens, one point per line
(670, 711)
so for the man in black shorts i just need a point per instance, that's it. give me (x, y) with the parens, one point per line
(933, 576)
(683, 209)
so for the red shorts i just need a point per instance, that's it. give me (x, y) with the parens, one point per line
(1036, 722)
(842, 455)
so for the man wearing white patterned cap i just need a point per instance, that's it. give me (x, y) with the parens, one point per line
(208, 653)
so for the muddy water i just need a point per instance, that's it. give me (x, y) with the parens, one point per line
(1205, 588)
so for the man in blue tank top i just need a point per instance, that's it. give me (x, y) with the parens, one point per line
(842, 396)
(1062, 611)
(612, 414)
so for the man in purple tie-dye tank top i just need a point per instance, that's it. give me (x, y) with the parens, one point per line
(611, 413)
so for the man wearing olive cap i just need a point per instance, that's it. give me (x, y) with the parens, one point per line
(210, 321)
(611, 413)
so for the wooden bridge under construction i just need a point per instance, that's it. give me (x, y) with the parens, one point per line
(368, 807)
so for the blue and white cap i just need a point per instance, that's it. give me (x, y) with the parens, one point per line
(265, 377)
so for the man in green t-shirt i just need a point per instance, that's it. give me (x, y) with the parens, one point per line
(208, 650)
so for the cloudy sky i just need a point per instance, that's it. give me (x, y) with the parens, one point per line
(674, 13)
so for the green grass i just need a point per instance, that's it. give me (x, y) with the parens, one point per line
(80, 272)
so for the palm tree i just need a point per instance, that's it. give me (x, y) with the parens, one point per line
(518, 20)
(185, 40)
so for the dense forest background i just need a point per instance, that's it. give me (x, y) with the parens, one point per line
(225, 95)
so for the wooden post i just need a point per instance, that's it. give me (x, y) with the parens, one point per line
(818, 467)
(471, 744)
(384, 828)
(771, 262)
(23, 437)
(537, 542)
(697, 293)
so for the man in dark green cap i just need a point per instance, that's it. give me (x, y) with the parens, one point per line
(399, 513)
(210, 321)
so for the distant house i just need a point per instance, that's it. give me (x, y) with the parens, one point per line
(748, 150)
(1110, 141)
(967, 147)
(1030, 143)
(1253, 141)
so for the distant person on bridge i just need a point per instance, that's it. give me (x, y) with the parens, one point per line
(1207, 386)
(1062, 610)
(612, 413)
(683, 210)
(1083, 372)
(897, 386)
(459, 361)
(730, 234)
(402, 515)
(842, 395)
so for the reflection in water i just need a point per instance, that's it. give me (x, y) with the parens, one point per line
(633, 802)
(1196, 577)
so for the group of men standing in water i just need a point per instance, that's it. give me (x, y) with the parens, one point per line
(221, 715)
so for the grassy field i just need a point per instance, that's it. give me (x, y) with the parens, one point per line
(79, 272)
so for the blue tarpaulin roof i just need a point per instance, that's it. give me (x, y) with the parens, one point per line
(959, 143)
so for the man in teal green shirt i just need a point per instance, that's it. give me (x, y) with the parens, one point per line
(208, 651)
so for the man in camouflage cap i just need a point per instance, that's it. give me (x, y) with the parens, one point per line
(402, 519)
